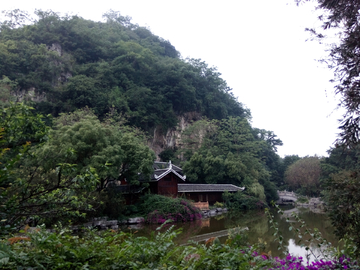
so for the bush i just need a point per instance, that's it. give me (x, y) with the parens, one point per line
(219, 205)
(160, 208)
(302, 199)
(241, 201)
(118, 250)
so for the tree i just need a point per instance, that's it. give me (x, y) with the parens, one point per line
(61, 173)
(340, 182)
(284, 164)
(6, 88)
(304, 176)
(342, 198)
(342, 17)
(341, 186)
(227, 151)
(117, 152)
(53, 193)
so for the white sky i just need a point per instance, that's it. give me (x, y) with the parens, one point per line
(259, 47)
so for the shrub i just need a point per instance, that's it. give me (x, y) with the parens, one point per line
(160, 208)
(219, 204)
(118, 250)
(241, 201)
(302, 199)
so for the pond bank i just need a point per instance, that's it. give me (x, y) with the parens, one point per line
(102, 223)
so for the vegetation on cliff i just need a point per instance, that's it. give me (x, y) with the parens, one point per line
(71, 63)
(129, 82)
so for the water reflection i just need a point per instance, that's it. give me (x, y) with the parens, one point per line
(258, 229)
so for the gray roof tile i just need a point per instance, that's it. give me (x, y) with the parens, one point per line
(208, 188)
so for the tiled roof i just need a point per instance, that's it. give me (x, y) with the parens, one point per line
(165, 165)
(208, 188)
(164, 169)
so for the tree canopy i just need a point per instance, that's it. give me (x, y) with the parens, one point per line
(340, 171)
(341, 17)
(230, 151)
(304, 176)
(56, 173)
(67, 63)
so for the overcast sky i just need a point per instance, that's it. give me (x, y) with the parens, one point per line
(259, 47)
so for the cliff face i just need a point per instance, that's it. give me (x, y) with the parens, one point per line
(171, 138)
(62, 76)
(161, 139)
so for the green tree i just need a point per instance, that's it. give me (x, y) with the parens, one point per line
(70, 62)
(341, 18)
(227, 151)
(117, 152)
(6, 89)
(55, 192)
(58, 176)
(304, 176)
(340, 181)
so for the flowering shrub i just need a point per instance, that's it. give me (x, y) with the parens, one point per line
(291, 262)
(118, 250)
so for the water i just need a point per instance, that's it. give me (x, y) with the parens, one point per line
(259, 230)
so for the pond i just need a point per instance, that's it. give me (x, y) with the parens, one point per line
(258, 228)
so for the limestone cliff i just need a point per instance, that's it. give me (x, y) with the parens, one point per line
(171, 138)
(61, 76)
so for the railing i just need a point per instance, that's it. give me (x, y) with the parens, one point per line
(287, 193)
(207, 236)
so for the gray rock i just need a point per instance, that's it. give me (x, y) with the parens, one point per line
(114, 227)
(88, 225)
(111, 223)
(98, 223)
(212, 212)
(136, 220)
(136, 226)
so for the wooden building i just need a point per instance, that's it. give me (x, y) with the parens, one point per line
(169, 180)
(165, 179)
(210, 193)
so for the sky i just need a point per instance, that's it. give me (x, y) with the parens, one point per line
(260, 48)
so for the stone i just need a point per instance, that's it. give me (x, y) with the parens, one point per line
(110, 223)
(136, 226)
(212, 212)
(136, 220)
(98, 223)
(88, 225)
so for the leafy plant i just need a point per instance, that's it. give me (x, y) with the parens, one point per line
(241, 201)
(160, 208)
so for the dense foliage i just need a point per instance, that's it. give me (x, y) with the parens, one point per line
(29, 189)
(159, 209)
(231, 151)
(240, 201)
(64, 63)
(340, 182)
(68, 62)
(342, 18)
(341, 170)
(303, 176)
(54, 174)
(118, 250)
